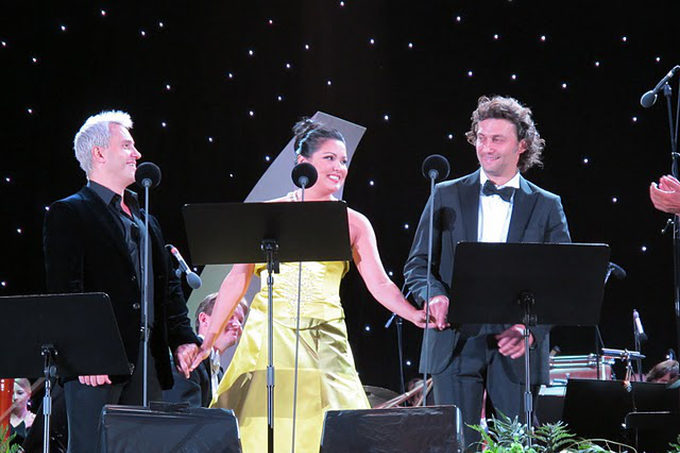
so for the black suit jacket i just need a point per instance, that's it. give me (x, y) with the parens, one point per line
(537, 216)
(195, 391)
(85, 251)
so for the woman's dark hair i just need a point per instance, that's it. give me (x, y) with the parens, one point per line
(661, 369)
(310, 134)
(510, 109)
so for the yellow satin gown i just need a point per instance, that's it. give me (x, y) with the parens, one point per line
(327, 376)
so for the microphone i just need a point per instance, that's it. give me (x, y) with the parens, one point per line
(304, 175)
(649, 98)
(193, 280)
(148, 175)
(637, 324)
(617, 271)
(436, 167)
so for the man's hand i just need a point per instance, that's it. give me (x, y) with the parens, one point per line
(202, 354)
(184, 356)
(511, 342)
(94, 380)
(666, 194)
(439, 310)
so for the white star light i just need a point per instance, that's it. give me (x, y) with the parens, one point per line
(161, 25)
(410, 45)
(564, 86)
(624, 39)
(513, 77)
(279, 98)
(267, 158)
(495, 37)
(386, 117)
(470, 73)
(371, 41)
(306, 46)
(210, 139)
(543, 38)
(406, 226)
(450, 136)
(143, 33)
(230, 75)
(103, 13)
(329, 83)
(288, 66)
(19, 230)
(30, 111)
(7, 179)
(586, 160)
(367, 328)
(597, 64)
(168, 87)
(635, 119)
(3, 283)
(251, 113)
(458, 18)
(251, 52)
(408, 363)
(614, 200)
(657, 59)
(62, 27)
(371, 183)
(643, 248)
(164, 124)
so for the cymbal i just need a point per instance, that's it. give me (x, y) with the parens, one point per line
(378, 395)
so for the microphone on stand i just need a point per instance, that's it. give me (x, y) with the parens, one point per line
(649, 98)
(304, 175)
(148, 175)
(193, 279)
(637, 326)
(435, 167)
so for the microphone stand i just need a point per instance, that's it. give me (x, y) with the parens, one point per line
(303, 183)
(675, 162)
(426, 359)
(145, 294)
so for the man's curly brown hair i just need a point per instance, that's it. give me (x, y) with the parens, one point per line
(510, 109)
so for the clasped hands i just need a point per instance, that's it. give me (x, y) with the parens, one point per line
(510, 341)
(666, 194)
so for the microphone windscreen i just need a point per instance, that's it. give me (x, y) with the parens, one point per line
(304, 174)
(194, 280)
(648, 99)
(150, 172)
(438, 164)
(617, 271)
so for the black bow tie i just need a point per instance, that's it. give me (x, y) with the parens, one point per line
(490, 188)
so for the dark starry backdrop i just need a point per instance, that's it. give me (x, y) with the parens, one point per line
(214, 87)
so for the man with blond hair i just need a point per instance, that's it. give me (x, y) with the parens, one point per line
(93, 242)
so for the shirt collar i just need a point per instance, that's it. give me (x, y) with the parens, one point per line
(107, 195)
(514, 182)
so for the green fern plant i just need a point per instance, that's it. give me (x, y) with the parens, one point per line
(675, 448)
(6, 445)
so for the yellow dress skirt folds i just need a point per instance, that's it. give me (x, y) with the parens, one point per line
(327, 377)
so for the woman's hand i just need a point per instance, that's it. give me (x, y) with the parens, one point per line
(202, 354)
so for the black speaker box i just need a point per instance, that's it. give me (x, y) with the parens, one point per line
(136, 429)
(435, 429)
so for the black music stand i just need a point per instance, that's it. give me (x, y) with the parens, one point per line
(550, 284)
(51, 336)
(229, 233)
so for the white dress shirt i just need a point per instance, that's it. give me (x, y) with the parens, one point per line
(494, 213)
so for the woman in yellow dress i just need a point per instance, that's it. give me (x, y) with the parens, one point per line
(327, 377)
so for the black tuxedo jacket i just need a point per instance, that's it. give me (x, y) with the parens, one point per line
(537, 216)
(85, 251)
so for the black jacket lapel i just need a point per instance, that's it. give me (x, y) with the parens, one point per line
(469, 203)
(522, 207)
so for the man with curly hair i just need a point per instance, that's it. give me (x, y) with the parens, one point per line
(493, 204)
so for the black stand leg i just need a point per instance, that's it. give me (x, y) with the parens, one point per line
(527, 301)
(270, 248)
(48, 351)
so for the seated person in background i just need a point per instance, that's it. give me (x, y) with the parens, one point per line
(21, 417)
(664, 372)
(198, 389)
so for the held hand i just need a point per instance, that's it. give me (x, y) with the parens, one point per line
(184, 356)
(94, 380)
(439, 310)
(418, 318)
(202, 354)
(511, 342)
(666, 195)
